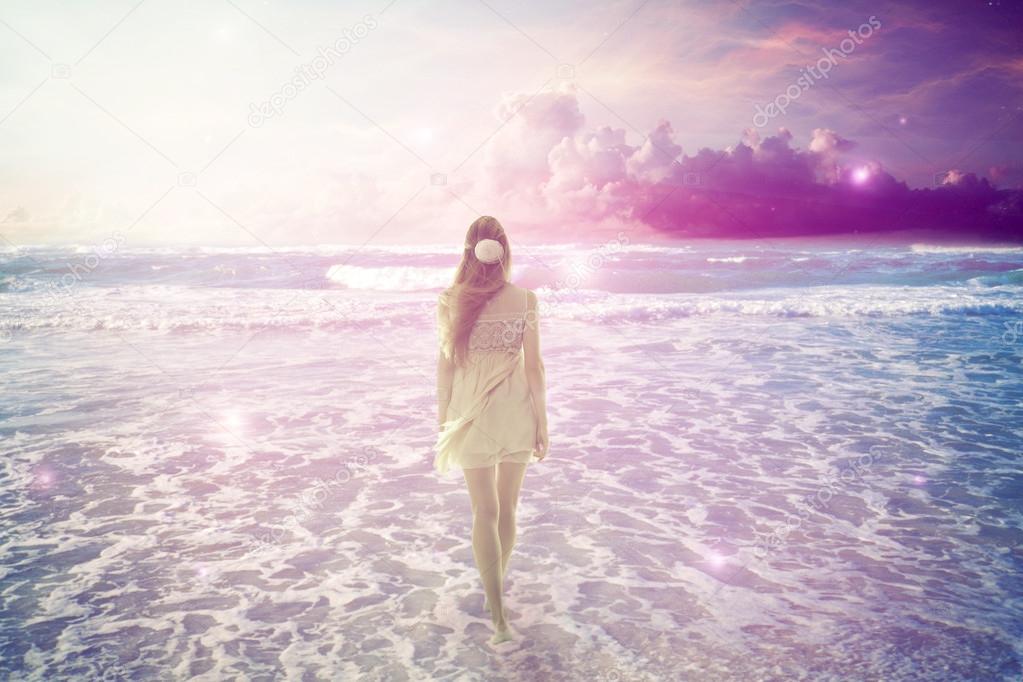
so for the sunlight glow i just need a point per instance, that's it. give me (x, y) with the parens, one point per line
(424, 135)
(716, 560)
(43, 478)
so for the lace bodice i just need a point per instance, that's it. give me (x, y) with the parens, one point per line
(492, 333)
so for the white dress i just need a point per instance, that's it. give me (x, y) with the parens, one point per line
(490, 416)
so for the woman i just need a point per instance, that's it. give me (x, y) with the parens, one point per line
(491, 398)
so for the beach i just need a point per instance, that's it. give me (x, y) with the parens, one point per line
(769, 461)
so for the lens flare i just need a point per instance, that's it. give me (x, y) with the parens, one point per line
(43, 478)
(716, 560)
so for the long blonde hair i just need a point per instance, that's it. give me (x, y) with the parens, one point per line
(475, 283)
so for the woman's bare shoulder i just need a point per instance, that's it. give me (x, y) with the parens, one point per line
(517, 293)
(517, 289)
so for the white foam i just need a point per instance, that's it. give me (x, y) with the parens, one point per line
(729, 259)
(680, 443)
(393, 278)
(963, 249)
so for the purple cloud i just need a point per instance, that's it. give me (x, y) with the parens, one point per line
(763, 188)
(760, 187)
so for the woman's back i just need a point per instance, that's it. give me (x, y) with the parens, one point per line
(501, 325)
(490, 415)
(510, 300)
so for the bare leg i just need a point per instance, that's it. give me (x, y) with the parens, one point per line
(486, 542)
(509, 484)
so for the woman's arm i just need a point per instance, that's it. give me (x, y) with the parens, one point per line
(535, 372)
(445, 368)
(445, 372)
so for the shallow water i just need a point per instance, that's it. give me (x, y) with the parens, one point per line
(817, 479)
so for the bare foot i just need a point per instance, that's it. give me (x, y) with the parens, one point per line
(502, 634)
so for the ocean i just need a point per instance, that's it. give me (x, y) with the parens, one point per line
(796, 460)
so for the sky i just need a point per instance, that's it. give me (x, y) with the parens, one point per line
(245, 122)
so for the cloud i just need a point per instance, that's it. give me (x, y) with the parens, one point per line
(760, 187)
(534, 125)
(17, 215)
(1007, 175)
(653, 160)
